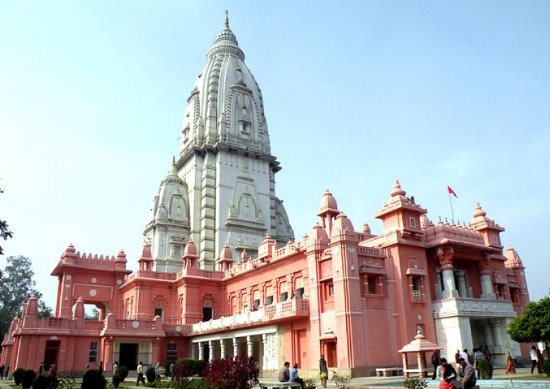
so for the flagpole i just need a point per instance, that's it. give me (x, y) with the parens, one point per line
(452, 211)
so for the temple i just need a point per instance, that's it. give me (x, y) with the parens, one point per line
(221, 274)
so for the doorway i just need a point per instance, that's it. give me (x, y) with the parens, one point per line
(128, 355)
(50, 355)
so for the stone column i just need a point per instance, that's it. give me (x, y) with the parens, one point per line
(210, 351)
(108, 352)
(156, 351)
(498, 341)
(222, 349)
(489, 339)
(462, 285)
(193, 350)
(445, 255)
(201, 351)
(264, 354)
(487, 291)
(235, 348)
(249, 344)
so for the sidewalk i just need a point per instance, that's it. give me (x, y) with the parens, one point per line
(499, 380)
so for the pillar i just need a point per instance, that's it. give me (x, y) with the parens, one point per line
(449, 283)
(210, 351)
(222, 349)
(193, 350)
(201, 351)
(156, 351)
(235, 348)
(264, 354)
(249, 344)
(108, 352)
(487, 286)
(462, 285)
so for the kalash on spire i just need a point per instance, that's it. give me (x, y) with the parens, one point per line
(221, 188)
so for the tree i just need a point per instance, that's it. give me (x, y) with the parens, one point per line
(5, 233)
(533, 325)
(15, 289)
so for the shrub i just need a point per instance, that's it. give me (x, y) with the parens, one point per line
(341, 381)
(414, 383)
(241, 373)
(27, 378)
(198, 367)
(93, 379)
(151, 374)
(42, 382)
(122, 372)
(116, 380)
(546, 367)
(485, 368)
(17, 374)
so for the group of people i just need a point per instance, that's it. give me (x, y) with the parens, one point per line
(467, 365)
(291, 375)
(537, 357)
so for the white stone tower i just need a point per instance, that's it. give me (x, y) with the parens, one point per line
(225, 165)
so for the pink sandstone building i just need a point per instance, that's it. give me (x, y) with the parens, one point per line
(221, 273)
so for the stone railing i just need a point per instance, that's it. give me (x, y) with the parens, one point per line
(286, 309)
(150, 274)
(456, 306)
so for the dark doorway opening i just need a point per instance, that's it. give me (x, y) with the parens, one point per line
(206, 353)
(50, 355)
(128, 355)
(206, 313)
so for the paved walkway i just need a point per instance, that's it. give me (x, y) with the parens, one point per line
(499, 380)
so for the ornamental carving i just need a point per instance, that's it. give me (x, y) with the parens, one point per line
(446, 255)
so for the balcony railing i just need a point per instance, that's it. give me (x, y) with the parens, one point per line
(457, 306)
(295, 307)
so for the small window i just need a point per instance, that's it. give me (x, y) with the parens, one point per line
(92, 355)
(158, 312)
(171, 351)
(412, 222)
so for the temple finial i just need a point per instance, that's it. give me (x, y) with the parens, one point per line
(226, 19)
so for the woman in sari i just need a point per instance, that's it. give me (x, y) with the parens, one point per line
(448, 376)
(510, 368)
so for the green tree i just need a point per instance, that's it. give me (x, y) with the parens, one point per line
(5, 233)
(533, 325)
(16, 286)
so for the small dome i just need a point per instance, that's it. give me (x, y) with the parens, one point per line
(121, 256)
(328, 203)
(244, 256)
(225, 254)
(146, 253)
(342, 225)
(190, 249)
(479, 211)
(318, 233)
(366, 229)
(425, 221)
(512, 258)
(397, 191)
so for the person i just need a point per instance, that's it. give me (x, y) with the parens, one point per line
(447, 375)
(294, 377)
(284, 373)
(468, 375)
(53, 371)
(139, 371)
(323, 369)
(172, 370)
(546, 353)
(41, 369)
(100, 367)
(2, 371)
(487, 352)
(478, 356)
(534, 358)
(115, 368)
(157, 371)
(435, 361)
(510, 368)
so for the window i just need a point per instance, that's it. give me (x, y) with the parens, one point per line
(171, 351)
(371, 285)
(412, 222)
(158, 312)
(92, 355)
(283, 296)
(245, 299)
(207, 311)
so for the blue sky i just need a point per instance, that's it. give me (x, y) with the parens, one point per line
(356, 94)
